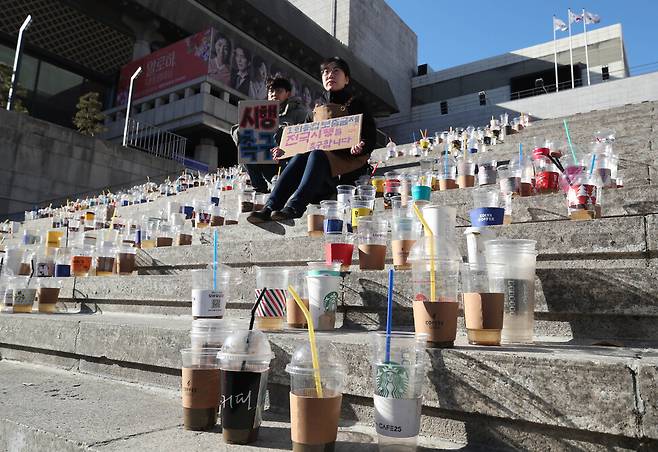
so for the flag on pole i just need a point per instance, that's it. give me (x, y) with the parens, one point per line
(574, 17)
(591, 18)
(559, 25)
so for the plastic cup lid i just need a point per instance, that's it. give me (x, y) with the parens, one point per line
(246, 345)
(329, 359)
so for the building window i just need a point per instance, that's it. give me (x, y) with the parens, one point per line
(605, 73)
(444, 107)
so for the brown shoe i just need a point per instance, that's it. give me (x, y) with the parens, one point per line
(260, 216)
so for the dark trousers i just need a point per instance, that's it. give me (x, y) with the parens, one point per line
(306, 178)
(260, 175)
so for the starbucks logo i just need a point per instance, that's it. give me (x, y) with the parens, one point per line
(392, 380)
(330, 301)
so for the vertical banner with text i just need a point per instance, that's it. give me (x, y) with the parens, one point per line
(258, 122)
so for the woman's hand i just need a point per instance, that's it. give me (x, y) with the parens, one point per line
(277, 153)
(357, 148)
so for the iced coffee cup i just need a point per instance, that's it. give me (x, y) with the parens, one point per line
(371, 235)
(200, 388)
(516, 279)
(81, 259)
(486, 172)
(211, 333)
(216, 216)
(447, 173)
(486, 210)
(244, 362)
(362, 206)
(314, 221)
(404, 232)
(582, 197)
(126, 260)
(339, 248)
(483, 306)
(271, 311)
(294, 315)
(465, 171)
(105, 259)
(210, 292)
(323, 297)
(398, 373)
(23, 295)
(48, 294)
(314, 414)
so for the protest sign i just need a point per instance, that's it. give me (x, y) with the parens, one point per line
(328, 135)
(258, 124)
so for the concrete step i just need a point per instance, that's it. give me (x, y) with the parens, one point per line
(556, 392)
(50, 409)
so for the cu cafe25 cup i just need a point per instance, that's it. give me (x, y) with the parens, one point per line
(314, 414)
(398, 365)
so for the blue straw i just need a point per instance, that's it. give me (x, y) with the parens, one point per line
(591, 166)
(520, 155)
(389, 315)
(214, 259)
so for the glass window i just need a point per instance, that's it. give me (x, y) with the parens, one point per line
(29, 66)
(54, 80)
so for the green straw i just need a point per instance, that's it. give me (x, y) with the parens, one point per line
(573, 153)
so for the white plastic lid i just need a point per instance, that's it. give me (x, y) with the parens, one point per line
(329, 359)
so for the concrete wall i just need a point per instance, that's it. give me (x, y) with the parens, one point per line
(376, 35)
(614, 93)
(44, 163)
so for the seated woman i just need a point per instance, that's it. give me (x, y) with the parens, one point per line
(314, 175)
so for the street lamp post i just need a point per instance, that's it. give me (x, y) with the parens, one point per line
(130, 99)
(17, 62)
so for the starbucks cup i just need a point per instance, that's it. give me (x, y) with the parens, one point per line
(209, 292)
(398, 381)
(483, 306)
(372, 234)
(404, 234)
(244, 362)
(515, 277)
(294, 315)
(313, 416)
(271, 312)
(323, 296)
(200, 388)
(48, 294)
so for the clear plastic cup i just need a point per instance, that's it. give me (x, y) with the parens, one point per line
(48, 294)
(211, 333)
(465, 171)
(294, 315)
(200, 388)
(23, 296)
(12, 260)
(314, 416)
(483, 306)
(345, 193)
(371, 235)
(339, 248)
(398, 365)
(509, 177)
(366, 191)
(271, 312)
(362, 206)
(105, 259)
(485, 197)
(447, 171)
(244, 362)
(378, 183)
(333, 213)
(582, 198)
(44, 262)
(210, 292)
(314, 221)
(405, 232)
(487, 172)
(516, 279)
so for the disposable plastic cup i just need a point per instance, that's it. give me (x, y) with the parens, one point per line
(271, 312)
(126, 260)
(339, 248)
(487, 173)
(465, 173)
(405, 232)
(582, 198)
(200, 388)
(217, 215)
(244, 362)
(362, 206)
(398, 382)
(323, 296)
(209, 293)
(485, 197)
(23, 295)
(371, 235)
(483, 307)
(81, 260)
(314, 416)
(366, 191)
(211, 333)
(345, 193)
(314, 221)
(48, 294)
(13, 257)
(509, 178)
(378, 183)
(294, 315)
(333, 213)
(516, 279)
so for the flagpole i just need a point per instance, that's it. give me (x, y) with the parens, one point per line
(586, 53)
(557, 83)
(573, 84)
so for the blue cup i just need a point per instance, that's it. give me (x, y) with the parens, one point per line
(333, 225)
(421, 192)
(188, 210)
(487, 216)
(214, 200)
(62, 270)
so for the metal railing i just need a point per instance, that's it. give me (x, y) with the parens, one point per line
(155, 141)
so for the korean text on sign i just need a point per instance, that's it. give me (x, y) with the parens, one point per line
(259, 122)
(328, 135)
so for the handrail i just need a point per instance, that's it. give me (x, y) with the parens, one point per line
(155, 141)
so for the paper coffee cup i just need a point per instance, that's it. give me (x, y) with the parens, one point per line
(323, 296)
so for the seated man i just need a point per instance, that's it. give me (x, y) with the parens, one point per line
(291, 111)
(314, 175)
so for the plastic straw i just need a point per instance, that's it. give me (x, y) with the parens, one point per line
(389, 315)
(591, 165)
(520, 155)
(431, 234)
(255, 307)
(374, 169)
(214, 259)
(311, 339)
(566, 129)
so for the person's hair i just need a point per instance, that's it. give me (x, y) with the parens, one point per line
(338, 62)
(257, 62)
(245, 51)
(278, 82)
(229, 47)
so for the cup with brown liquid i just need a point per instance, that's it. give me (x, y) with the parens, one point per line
(200, 388)
(372, 235)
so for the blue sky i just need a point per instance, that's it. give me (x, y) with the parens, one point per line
(456, 32)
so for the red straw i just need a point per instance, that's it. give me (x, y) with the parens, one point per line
(374, 169)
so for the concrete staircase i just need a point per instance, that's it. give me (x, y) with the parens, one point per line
(589, 382)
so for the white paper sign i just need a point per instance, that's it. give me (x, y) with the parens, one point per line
(397, 418)
(208, 303)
